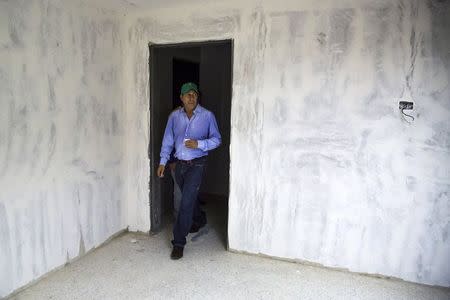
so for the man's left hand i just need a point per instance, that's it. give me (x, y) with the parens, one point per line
(193, 144)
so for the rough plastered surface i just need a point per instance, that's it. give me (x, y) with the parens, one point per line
(61, 135)
(323, 167)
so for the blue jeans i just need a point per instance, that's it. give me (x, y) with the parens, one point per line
(176, 195)
(189, 177)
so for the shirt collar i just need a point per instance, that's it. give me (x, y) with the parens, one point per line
(198, 109)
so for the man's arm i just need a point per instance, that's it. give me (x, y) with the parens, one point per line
(214, 139)
(168, 142)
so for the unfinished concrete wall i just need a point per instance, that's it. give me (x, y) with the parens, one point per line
(61, 135)
(323, 167)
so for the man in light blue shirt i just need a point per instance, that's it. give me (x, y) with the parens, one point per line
(193, 131)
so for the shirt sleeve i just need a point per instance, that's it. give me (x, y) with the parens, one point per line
(168, 141)
(214, 139)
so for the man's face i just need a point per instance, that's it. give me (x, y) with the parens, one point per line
(189, 100)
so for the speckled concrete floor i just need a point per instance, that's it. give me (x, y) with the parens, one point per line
(137, 266)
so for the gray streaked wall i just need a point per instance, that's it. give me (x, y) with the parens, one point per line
(61, 135)
(323, 167)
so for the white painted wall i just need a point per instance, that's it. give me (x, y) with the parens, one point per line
(323, 168)
(62, 156)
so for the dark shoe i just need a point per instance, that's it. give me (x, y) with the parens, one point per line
(177, 252)
(195, 228)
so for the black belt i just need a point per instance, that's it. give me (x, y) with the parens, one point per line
(191, 161)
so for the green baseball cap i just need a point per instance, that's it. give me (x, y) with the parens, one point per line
(189, 86)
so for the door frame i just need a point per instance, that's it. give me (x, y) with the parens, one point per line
(153, 156)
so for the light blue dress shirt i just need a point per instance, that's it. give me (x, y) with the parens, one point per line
(201, 127)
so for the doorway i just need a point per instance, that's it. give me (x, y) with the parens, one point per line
(208, 64)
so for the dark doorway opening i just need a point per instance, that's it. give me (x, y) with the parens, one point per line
(183, 71)
(209, 64)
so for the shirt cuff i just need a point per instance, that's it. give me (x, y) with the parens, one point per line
(163, 161)
(201, 144)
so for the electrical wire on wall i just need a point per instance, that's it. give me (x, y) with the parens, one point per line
(406, 115)
(415, 41)
(406, 105)
(402, 105)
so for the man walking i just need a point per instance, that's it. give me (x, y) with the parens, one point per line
(193, 131)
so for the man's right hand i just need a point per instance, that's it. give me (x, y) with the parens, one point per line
(160, 171)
